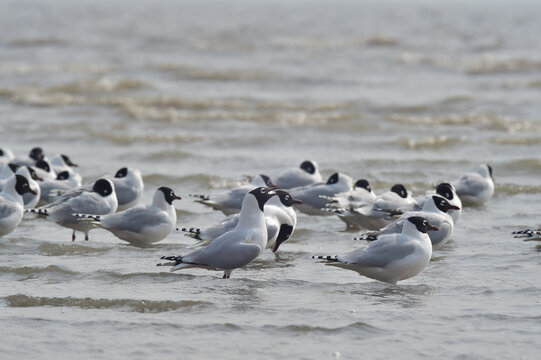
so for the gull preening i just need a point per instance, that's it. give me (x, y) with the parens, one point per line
(11, 203)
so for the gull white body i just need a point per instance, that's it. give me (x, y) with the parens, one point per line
(140, 225)
(314, 196)
(306, 174)
(391, 258)
(11, 207)
(129, 189)
(234, 249)
(475, 188)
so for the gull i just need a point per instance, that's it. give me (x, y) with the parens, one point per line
(100, 199)
(35, 154)
(393, 257)
(477, 187)
(447, 191)
(53, 188)
(235, 248)
(306, 174)
(435, 210)
(231, 201)
(43, 169)
(314, 196)
(128, 187)
(11, 203)
(140, 225)
(61, 163)
(378, 213)
(30, 199)
(5, 156)
(280, 220)
(341, 203)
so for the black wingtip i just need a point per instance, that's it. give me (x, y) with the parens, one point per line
(200, 196)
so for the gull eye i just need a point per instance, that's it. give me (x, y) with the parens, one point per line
(287, 197)
(262, 190)
(171, 194)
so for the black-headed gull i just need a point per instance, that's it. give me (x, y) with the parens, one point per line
(392, 257)
(128, 187)
(231, 201)
(61, 163)
(447, 191)
(435, 210)
(35, 154)
(30, 199)
(100, 199)
(236, 248)
(306, 174)
(280, 219)
(52, 189)
(11, 203)
(140, 225)
(378, 213)
(477, 187)
(314, 197)
(43, 169)
(342, 203)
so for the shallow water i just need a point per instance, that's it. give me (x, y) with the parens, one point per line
(198, 94)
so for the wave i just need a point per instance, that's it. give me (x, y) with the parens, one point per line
(33, 270)
(135, 305)
(483, 120)
(21, 68)
(319, 43)
(514, 189)
(195, 73)
(36, 41)
(516, 140)
(432, 142)
(473, 65)
(123, 138)
(99, 85)
(51, 249)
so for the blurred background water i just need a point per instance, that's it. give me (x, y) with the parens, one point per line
(198, 93)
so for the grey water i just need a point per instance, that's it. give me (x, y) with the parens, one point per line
(197, 94)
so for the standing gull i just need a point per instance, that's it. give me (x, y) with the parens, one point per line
(100, 199)
(140, 225)
(392, 257)
(235, 248)
(11, 203)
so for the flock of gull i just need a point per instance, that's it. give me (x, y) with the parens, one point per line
(401, 231)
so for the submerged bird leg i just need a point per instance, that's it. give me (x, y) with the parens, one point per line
(73, 236)
(86, 236)
(227, 274)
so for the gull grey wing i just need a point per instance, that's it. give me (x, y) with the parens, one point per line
(469, 185)
(6, 209)
(379, 253)
(135, 219)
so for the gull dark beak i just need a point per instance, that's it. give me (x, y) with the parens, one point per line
(431, 227)
(177, 197)
(32, 191)
(454, 207)
(297, 201)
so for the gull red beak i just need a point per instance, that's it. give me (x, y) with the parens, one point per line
(454, 207)
(431, 227)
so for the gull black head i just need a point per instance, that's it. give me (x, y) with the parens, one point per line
(443, 204)
(445, 190)
(103, 187)
(268, 181)
(286, 198)
(43, 165)
(22, 186)
(421, 224)
(33, 174)
(309, 167)
(333, 179)
(68, 161)
(363, 183)
(121, 173)
(400, 190)
(13, 167)
(36, 154)
(64, 175)
(1, 152)
(262, 194)
(169, 195)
